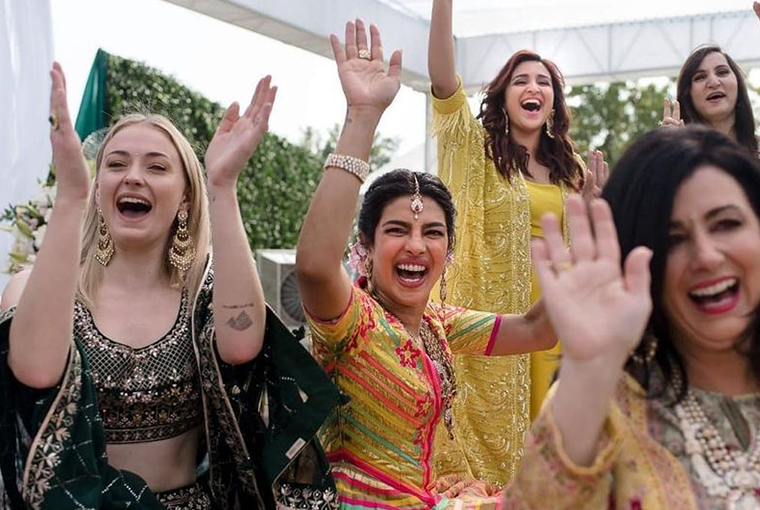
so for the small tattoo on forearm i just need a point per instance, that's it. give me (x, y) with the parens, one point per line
(241, 322)
(236, 307)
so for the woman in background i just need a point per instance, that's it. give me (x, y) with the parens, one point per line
(505, 169)
(712, 91)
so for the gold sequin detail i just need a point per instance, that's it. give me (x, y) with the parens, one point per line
(491, 272)
(146, 394)
(193, 497)
(442, 359)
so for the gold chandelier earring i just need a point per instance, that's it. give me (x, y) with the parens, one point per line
(550, 125)
(442, 287)
(506, 122)
(368, 273)
(105, 250)
(182, 250)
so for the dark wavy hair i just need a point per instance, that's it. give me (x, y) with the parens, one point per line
(557, 153)
(640, 192)
(744, 124)
(397, 183)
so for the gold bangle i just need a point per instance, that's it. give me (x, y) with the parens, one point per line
(355, 166)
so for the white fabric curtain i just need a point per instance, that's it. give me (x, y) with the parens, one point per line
(26, 55)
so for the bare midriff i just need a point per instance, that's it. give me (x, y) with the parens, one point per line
(165, 465)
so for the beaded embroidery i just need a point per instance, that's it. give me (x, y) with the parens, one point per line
(146, 394)
(444, 365)
(192, 497)
(724, 472)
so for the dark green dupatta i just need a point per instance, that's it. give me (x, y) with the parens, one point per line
(262, 420)
(52, 444)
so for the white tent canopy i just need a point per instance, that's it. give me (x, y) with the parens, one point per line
(26, 53)
(589, 40)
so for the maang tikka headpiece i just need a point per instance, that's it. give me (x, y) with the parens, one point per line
(417, 206)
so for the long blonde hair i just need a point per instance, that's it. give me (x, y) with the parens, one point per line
(91, 275)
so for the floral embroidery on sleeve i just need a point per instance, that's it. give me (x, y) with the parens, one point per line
(408, 354)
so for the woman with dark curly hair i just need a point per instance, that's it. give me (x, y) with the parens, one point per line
(712, 91)
(658, 401)
(385, 345)
(505, 168)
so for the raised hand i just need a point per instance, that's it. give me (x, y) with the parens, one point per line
(597, 173)
(596, 310)
(671, 113)
(237, 136)
(71, 171)
(362, 73)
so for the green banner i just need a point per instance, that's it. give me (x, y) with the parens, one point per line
(94, 107)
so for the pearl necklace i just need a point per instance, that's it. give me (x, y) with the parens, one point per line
(731, 474)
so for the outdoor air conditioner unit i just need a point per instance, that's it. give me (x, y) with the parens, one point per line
(277, 270)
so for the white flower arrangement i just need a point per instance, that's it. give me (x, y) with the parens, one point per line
(28, 222)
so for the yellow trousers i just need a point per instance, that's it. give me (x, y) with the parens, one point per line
(543, 364)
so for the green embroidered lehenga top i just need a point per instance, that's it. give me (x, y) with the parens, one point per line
(259, 420)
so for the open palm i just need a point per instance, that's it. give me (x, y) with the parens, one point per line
(237, 136)
(597, 173)
(362, 73)
(71, 171)
(671, 113)
(597, 310)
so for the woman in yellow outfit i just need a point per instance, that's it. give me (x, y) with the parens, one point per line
(505, 169)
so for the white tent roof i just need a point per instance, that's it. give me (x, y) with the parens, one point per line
(590, 40)
(485, 17)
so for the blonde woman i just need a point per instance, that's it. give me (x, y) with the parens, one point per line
(124, 368)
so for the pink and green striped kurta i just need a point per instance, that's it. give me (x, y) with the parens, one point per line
(380, 444)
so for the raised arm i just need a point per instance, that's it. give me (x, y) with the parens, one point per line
(239, 308)
(671, 113)
(441, 63)
(40, 335)
(596, 176)
(369, 90)
(599, 313)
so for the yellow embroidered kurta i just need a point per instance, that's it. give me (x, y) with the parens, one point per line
(636, 467)
(380, 443)
(491, 271)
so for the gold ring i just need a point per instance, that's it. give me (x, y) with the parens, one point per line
(53, 120)
(365, 54)
(562, 266)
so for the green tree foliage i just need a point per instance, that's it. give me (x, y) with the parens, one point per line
(276, 186)
(609, 117)
(383, 147)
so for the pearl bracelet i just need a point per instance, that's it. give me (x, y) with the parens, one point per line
(355, 166)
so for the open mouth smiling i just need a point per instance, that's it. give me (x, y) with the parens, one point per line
(133, 207)
(411, 274)
(717, 297)
(531, 105)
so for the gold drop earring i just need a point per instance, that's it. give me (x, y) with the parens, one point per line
(182, 250)
(105, 250)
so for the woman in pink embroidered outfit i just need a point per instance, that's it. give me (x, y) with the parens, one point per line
(657, 405)
(384, 344)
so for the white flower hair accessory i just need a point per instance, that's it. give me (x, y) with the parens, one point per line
(357, 254)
